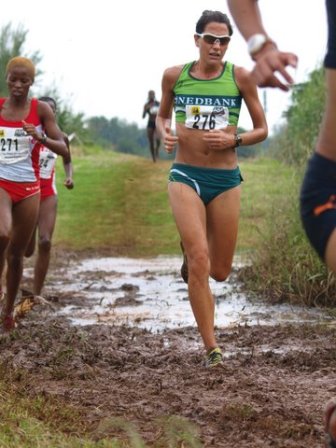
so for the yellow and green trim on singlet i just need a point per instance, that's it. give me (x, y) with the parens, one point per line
(220, 91)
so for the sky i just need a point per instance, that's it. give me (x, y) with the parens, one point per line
(103, 56)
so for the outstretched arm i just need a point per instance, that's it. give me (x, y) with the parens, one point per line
(246, 15)
(269, 60)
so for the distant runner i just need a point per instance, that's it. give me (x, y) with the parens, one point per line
(151, 109)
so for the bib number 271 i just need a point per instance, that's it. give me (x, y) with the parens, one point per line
(9, 144)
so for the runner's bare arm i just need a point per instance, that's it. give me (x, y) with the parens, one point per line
(163, 119)
(54, 137)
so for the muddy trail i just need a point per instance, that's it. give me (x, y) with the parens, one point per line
(277, 377)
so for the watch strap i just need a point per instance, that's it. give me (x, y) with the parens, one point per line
(238, 140)
(43, 138)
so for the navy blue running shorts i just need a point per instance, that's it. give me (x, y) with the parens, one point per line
(318, 201)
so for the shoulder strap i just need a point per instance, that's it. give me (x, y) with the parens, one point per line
(184, 70)
(33, 113)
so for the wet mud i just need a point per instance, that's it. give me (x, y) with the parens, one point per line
(277, 377)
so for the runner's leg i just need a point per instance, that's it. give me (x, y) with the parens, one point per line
(222, 226)
(25, 215)
(190, 217)
(46, 225)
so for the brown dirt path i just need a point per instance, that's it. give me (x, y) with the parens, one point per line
(271, 392)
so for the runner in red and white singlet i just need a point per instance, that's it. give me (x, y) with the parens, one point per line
(25, 124)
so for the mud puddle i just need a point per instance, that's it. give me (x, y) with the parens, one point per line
(150, 294)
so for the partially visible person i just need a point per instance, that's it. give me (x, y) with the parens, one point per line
(25, 124)
(318, 191)
(330, 423)
(151, 108)
(204, 181)
(48, 206)
(270, 61)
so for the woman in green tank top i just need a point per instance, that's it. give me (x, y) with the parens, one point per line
(204, 182)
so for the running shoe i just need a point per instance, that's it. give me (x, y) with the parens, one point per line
(214, 358)
(184, 267)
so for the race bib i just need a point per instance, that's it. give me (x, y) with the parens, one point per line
(154, 110)
(206, 117)
(47, 163)
(15, 145)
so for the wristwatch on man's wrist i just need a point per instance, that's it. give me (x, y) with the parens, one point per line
(257, 42)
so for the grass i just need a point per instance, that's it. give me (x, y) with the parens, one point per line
(37, 422)
(266, 182)
(120, 203)
(284, 266)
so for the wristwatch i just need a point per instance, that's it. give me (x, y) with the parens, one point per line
(43, 138)
(256, 42)
(238, 140)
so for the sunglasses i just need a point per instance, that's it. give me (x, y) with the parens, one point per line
(213, 39)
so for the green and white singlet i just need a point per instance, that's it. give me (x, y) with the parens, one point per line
(207, 103)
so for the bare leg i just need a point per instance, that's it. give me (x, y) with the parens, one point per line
(196, 224)
(330, 255)
(150, 135)
(222, 226)
(157, 146)
(24, 221)
(5, 228)
(46, 225)
(31, 245)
